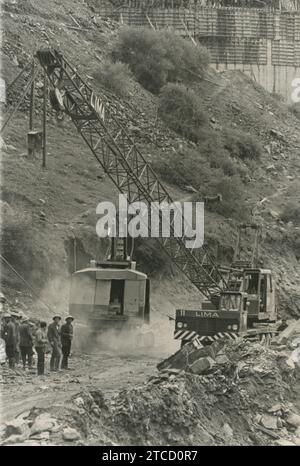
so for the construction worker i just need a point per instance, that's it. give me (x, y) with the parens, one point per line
(40, 347)
(33, 329)
(53, 335)
(26, 342)
(9, 336)
(16, 319)
(66, 336)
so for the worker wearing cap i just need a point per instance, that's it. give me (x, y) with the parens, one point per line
(66, 336)
(53, 335)
(26, 342)
(9, 336)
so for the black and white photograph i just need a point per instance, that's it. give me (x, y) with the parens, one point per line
(150, 227)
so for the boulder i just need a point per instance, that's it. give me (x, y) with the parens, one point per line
(290, 332)
(17, 427)
(269, 422)
(222, 359)
(257, 418)
(282, 442)
(202, 365)
(178, 360)
(275, 408)
(290, 364)
(201, 353)
(227, 430)
(70, 434)
(295, 356)
(293, 420)
(43, 422)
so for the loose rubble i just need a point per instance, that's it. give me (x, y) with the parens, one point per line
(232, 393)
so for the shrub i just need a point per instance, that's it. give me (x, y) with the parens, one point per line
(183, 170)
(223, 161)
(195, 170)
(295, 109)
(291, 213)
(188, 61)
(211, 147)
(146, 57)
(242, 145)
(115, 77)
(158, 57)
(181, 110)
(233, 198)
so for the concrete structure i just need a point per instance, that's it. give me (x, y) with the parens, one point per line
(262, 42)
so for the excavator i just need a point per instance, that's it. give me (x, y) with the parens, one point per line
(247, 308)
(113, 296)
(239, 300)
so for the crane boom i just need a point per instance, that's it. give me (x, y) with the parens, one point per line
(121, 159)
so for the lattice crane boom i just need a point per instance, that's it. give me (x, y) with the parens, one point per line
(121, 159)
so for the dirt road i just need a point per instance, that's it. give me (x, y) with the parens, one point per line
(105, 370)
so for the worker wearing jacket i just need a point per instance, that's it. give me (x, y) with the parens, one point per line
(66, 340)
(16, 319)
(40, 347)
(26, 342)
(9, 336)
(53, 335)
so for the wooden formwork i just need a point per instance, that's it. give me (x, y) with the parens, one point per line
(285, 53)
(262, 42)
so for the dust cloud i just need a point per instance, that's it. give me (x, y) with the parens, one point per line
(153, 340)
(56, 295)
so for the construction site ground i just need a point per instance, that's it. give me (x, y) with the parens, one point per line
(232, 393)
(110, 372)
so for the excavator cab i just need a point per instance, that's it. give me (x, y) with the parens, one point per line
(113, 296)
(247, 304)
(109, 295)
(260, 288)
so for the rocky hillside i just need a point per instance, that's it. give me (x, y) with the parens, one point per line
(57, 204)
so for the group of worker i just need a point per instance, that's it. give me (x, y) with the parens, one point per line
(21, 336)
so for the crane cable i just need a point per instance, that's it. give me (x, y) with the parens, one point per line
(12, 110)
(26, 283)
(27, 67)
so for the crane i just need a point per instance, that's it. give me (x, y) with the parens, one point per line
(123, 162)
(240, 299)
